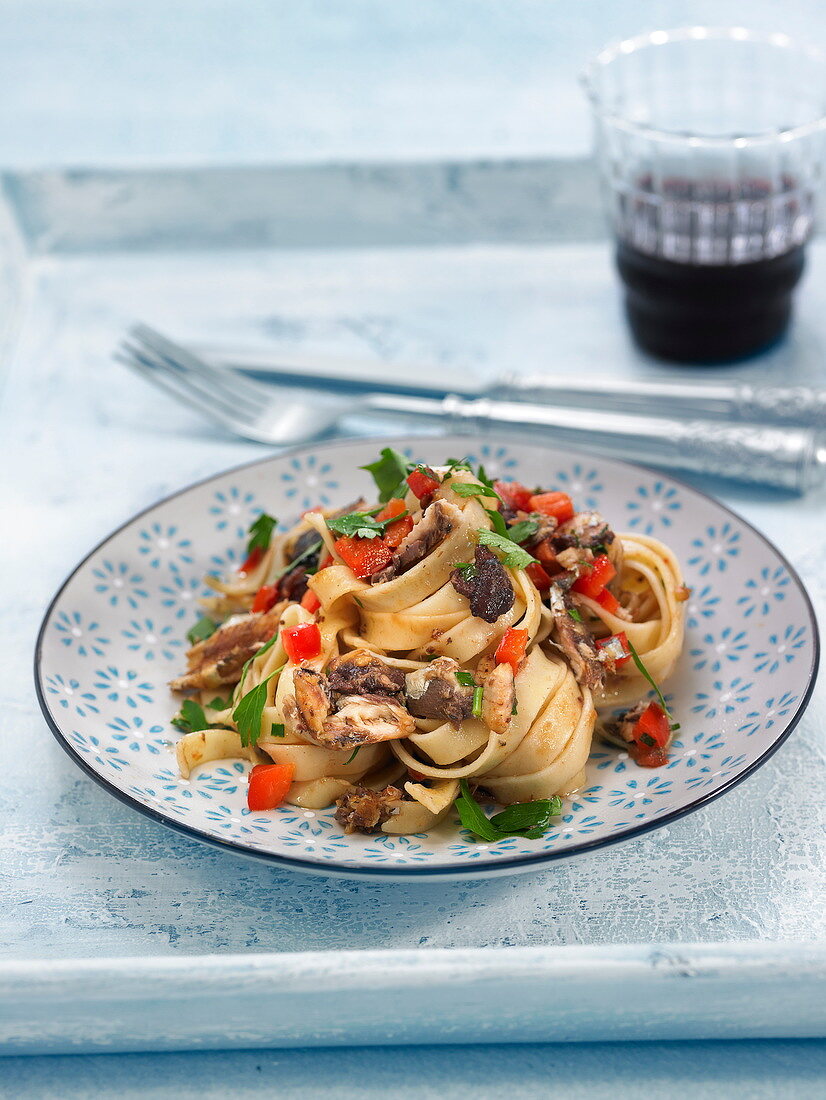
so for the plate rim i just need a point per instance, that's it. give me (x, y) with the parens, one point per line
(513, 865)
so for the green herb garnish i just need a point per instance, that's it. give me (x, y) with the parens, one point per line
(353, 755)
(389, 472)
(525, 819)
(260, 532)
(362, 524)
(575, 615)
(498, 521)
(523, 530)
(277, 729)
(219, 704)
(203, 629)
(468, 489)
(513, 556)
(465, 678)
(466, 568)
(258, 652)
(644, 671)
(288, 568)
(458, 464)
(478, 692)
(190, 718)
(247, 714)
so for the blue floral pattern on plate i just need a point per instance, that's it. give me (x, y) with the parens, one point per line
(109, 649)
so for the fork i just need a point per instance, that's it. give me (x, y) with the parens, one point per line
(791, 458)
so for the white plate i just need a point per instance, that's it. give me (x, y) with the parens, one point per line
(115, 634)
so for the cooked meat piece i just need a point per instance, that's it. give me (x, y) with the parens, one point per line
(437, 521)
(365, 720)
(312, 701)
(586, 531)
(302, 544)
(434, 692)
(573, 557)
(363, 673)
(498, 698)
(219, 659)
(364, 811)
(354, 720)
(575, 640)
(293, 585)
(546, 525)
(487, 586)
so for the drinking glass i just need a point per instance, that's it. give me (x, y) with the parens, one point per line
(709, 143)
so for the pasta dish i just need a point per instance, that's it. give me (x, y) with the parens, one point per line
(456, 643)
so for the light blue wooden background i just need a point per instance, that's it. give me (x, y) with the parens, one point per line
(217, 81)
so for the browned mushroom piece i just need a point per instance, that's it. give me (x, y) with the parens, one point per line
(364, 810)
(486, 585)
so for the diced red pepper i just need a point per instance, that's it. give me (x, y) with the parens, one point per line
(650, 758)
(558, 505)
(608, 601)
(593, 580)
(511, 649)
(396, 533)
(364, 556)
(302, 642)
(423, 482)
(615, 643)
(265, 598)
(653, 723)
(252, 560)
(514, 494)
(269, 785)
(310, 602)
(538, 575)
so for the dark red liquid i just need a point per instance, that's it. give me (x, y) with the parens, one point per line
(709, 266)
(707, 313)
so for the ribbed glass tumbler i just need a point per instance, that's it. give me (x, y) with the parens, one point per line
(709, 143)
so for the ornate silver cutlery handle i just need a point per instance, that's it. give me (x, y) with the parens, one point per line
(791, 458)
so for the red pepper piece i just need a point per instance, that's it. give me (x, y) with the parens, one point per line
(538, 575)
(615, 642)
(544, 554)
(514, 494)
(364, 556)
(302, 642)
(558, 505)
(511, 649)
(593, 580)
(397, 532)
(310, 602)
(653, 723)
(265, 598)
(423, 482)
(608, 601)
(269, 785)
(252, 560)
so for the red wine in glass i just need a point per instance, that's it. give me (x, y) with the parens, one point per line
(709, 266)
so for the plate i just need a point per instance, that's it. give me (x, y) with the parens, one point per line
(115, 634)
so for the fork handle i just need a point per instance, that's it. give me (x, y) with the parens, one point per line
(790, 458)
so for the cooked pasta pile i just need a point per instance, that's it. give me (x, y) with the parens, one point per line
(454, 643)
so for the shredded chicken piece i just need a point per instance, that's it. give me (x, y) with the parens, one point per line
(363, 810)
(498, 698)
(219, 659)
(575, 640)
(355, 720)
